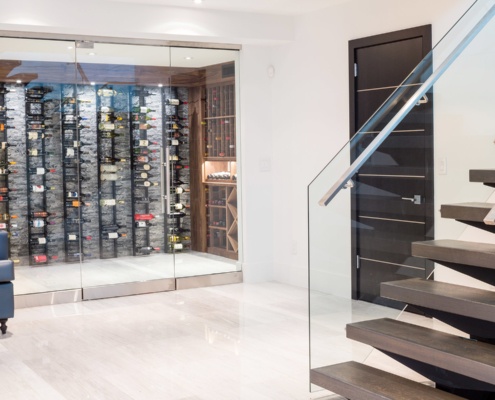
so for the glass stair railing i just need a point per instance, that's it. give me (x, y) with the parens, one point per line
(347, 239)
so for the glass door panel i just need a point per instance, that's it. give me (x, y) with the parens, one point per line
(121, 90)
(207, 241)
(33, 75)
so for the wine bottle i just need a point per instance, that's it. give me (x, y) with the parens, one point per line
(142, 110)
(109, 135)
(4, 90)
(110, 118)
(40, 171)
(4, 225)
(6, 198)
(5, 109)
(112, 235)
(33, 135)
(7, 163)
(40, 223)
(106, 126)
(138, 118)
(40, 188)
(7, 190)
(110, 202)
(143, 224)
(38, 90)
(77, 221)
(141, 92)
(144, 217)
(7, 217)
(144, 143)
(175, 102)
(146, 126)
(41, 214)
(112, 159)
(142, 167)
(144, 200)
(180, 190)
(180, 206)
(71, 237)
(43, 258)
(105, 109)
(143, 151)
(109, 168)
(5, 171)
(76, 203)
(110, 177)
(41, 240)
(4, 145)
(179, 246)
(105, 92)
(177, 214)
(143, 159)
(38, 153)
(146, 184)
(4, 126)
(146, 250)
(177, 229)
(142, 175)
(179, 166)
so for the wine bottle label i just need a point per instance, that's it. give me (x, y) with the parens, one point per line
(179, 190)
(38, 223)
(174, 142)
(106, 92)
(173, 102)
(3, 225)
(37, 188)
(146, 167)
(40, 171)
(108, 202)
(33, 135)
(40, 258)
(178, 246)
(71, 237)
(109, 177)
(143, 175)
(146, 183)
(41, 240)
(106, 109)
(141, 224)
(142, 159)
(179, 206)
(33, 152)
(143, 110)
(70, 153)
(76, 143)
(143, 143)
(109, 168)
(5, 145)
(113, 235)
(72, 194)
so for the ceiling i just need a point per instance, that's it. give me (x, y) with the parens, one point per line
(281, 7)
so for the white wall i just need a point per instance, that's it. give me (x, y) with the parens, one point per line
(310, 105)
(292, 124)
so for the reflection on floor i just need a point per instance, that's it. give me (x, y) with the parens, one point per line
(244, 341)
(61, 276)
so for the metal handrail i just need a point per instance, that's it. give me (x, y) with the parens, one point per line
(416, 97)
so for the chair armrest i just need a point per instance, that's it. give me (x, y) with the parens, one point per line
(6, 270)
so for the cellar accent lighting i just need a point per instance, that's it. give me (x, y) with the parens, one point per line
(160, 85)
(18, 81)
(188, 58)
(198, 1)
(92, 83)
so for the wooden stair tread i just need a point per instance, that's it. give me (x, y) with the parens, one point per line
(456, 251)
(463, 356)
(357, 381)
(482, 175)
(466, 211)
(455, 299)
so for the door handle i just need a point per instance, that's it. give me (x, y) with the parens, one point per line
(416, 199)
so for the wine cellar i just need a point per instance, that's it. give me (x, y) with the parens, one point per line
(114, 165)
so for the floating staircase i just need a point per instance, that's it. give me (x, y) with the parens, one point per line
(460, 367)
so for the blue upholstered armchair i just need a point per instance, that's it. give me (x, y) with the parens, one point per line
(6, 286)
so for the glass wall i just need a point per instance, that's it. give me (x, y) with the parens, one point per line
(118, 162)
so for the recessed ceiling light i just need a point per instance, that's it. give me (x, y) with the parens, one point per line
(91, 54)
(198, 1)
(188, 58)
(18, 81)
(92, 83)
(69, 47)
(160, 85)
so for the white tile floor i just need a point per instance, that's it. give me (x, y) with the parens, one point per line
(245, 341)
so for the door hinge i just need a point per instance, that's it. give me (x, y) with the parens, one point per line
(355, 70)
(357, 262)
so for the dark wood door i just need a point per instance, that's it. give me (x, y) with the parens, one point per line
(392, 201)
